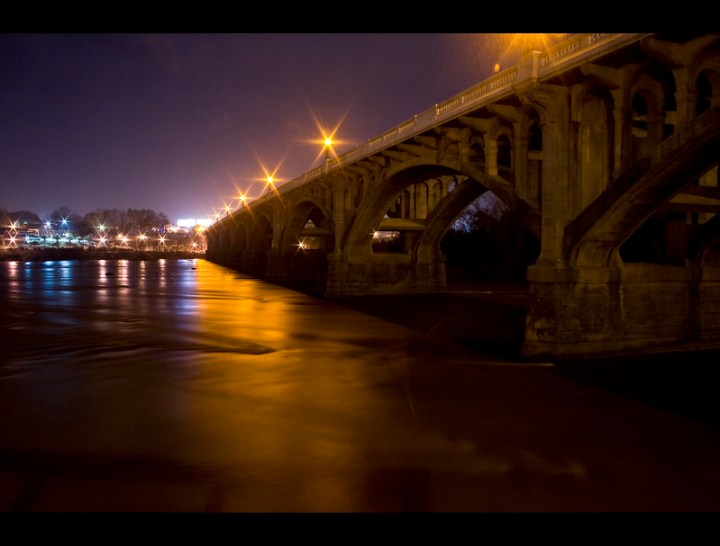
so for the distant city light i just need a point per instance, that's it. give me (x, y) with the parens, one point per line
(192, 222)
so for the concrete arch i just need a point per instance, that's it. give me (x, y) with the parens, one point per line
(358, 239)
(706, 63)
(367, 218)
(529, 216)
(427, 246)
(625, 212)
(505, 155)
(238, 235)
(645, 101)
(709, 68)
(262, 233)
(593, 114)
(302, 212)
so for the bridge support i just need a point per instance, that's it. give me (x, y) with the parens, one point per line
(631, 307)
(603, 143)
(384, 273)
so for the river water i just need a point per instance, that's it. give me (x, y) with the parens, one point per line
(182, 386)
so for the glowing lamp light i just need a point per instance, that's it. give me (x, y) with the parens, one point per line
(188, 222)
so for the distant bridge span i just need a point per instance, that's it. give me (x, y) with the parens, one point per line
(605, 147)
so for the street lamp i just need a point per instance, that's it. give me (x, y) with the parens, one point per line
(328, 145)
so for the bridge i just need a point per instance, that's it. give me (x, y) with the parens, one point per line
(605, 148)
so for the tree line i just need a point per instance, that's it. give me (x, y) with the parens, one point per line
(129, 221)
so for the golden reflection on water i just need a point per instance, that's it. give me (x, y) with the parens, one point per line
(239, 309)
(287, 391)
(284, 397)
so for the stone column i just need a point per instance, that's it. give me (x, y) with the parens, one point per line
(491, 153)
(411, 202)
(337, 260)
(519, 166)
(552, 104)
(685, 100)
(338, 211)
(623, 135)
(421, 201)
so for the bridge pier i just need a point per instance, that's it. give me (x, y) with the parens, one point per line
(253, 263)
(624, 308)
(300, 269)
(384, 273)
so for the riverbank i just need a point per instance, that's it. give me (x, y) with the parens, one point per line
(54, 254)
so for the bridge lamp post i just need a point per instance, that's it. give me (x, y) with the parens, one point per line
(270, 183)
(328, 146)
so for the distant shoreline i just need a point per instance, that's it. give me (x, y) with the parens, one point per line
(55, 254)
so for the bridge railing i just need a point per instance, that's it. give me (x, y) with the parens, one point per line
(577, 49)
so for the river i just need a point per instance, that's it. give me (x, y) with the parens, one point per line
(181, 386)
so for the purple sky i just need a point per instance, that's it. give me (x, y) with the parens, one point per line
(178, 123)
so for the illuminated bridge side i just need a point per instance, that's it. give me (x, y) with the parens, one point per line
(604, 147)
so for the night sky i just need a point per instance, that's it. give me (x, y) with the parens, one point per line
(182, 123)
